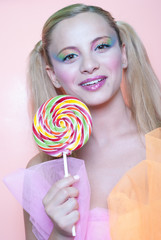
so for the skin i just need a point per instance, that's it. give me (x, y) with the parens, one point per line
(89, 62)
(113, 126)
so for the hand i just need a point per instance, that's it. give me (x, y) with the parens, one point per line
(61, 206)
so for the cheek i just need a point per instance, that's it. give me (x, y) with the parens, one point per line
(64, 75)
(116, 65)
(113, 61)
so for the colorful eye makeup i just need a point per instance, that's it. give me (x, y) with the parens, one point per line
(66, 55)
(103, 43)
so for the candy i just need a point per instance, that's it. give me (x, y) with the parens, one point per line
(61, 125)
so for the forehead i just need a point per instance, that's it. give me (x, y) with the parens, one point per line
(84, 25)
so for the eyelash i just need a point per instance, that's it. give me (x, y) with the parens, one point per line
(103, 46)
(69, 57)
(72, 56)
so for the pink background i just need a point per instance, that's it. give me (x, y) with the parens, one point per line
(21, 24)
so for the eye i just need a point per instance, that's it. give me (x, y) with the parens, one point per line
(102, 47)
(70, 57)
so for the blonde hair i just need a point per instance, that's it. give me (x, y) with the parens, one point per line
(141, 85)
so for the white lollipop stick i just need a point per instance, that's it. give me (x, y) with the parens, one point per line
(73, 231)
(66, 174)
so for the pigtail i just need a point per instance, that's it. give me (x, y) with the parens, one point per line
(40, 85)
(142, 88)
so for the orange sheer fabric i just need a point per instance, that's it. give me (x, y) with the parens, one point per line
(135, 202)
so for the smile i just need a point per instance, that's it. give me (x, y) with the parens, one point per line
(93, 84)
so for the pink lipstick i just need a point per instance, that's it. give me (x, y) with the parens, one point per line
(93, 84)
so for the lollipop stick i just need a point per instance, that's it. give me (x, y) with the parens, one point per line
(66, 174)
(73, 231)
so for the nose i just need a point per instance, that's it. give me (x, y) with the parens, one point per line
(89, 64)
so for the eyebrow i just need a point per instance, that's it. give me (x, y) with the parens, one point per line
(74, 48)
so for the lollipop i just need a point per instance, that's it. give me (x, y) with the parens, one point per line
(61, 125)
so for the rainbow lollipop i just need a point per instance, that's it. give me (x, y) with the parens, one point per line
(61, 125)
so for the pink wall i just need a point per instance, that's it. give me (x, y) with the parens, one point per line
(21, 23)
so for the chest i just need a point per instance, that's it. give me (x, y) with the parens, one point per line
(107, 169)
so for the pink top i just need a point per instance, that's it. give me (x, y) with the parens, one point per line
(98, 225)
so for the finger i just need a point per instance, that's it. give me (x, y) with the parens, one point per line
(57, 213)
(72, 218)
(64, 194)
(70, 205)
(63, 183)
(58, 207)
(68, 221)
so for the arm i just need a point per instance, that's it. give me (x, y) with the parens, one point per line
(30, 236)
(56, 236)
(28, 227)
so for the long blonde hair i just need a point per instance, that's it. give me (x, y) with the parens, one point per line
(141, 86)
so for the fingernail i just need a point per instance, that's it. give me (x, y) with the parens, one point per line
(76, 177)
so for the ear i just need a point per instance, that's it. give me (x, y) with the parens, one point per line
(124, 57)
(51, 75)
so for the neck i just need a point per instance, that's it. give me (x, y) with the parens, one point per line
(111, 119)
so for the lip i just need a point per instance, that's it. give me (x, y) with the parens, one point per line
(93, 84)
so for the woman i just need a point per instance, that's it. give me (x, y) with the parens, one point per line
(86, 54)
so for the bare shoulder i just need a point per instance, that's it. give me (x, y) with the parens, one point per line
(37, 159)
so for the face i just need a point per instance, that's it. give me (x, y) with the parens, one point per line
(86, 58)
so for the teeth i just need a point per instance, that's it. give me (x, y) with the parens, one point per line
(92, 82)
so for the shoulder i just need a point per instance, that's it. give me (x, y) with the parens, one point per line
(37, 159)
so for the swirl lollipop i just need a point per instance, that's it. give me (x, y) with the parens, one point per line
(61, 125)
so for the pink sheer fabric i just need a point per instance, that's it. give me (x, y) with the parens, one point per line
(30, 186)
(98, 225)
